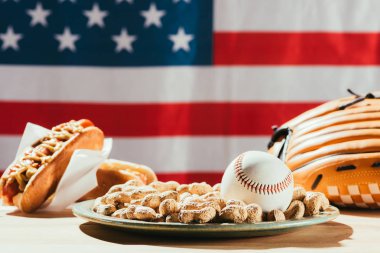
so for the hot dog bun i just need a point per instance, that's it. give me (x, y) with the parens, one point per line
(44, 182)
(113, 172)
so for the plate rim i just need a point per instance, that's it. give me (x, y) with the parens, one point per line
(82, 210)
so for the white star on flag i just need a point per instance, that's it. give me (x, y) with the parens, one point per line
(153, 16)
(38, 15)
(128, 1)
(67, 40)
(185, 1)
(181, 40)
(10, 39)
(124, 41)
(95, 16)
(71, 1)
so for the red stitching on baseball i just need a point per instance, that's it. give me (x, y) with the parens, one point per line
(250, 185)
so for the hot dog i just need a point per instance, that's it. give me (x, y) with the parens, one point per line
(34, 176)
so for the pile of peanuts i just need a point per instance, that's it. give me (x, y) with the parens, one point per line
(197, 203)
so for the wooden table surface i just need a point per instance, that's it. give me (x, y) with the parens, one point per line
(353, 231)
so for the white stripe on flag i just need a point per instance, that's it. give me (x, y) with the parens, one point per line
(173, 154)
(297, 15)
(184, 84)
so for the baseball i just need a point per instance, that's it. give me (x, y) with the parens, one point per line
(258, 177)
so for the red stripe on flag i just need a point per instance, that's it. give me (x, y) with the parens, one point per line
(296, 48)
(186, 177)
(167, 119)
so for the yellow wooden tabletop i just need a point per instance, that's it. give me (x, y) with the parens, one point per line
(353, 231)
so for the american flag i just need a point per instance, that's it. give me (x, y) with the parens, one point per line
(182, 86)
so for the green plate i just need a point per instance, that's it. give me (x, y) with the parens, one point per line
(84, 210)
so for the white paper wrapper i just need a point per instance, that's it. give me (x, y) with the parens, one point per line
(80, 174)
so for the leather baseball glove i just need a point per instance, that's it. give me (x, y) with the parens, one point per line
(335, 149)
